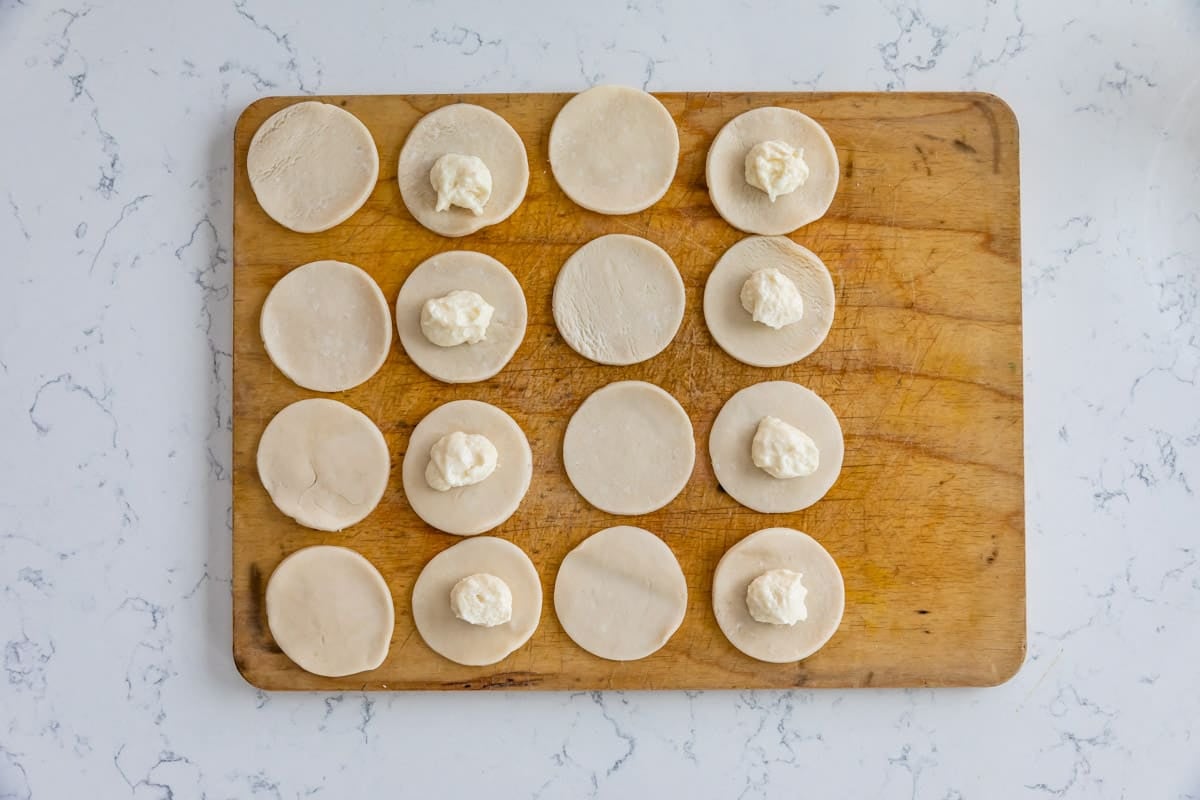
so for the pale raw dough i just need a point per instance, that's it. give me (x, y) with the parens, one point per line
(330, 611)
(620, 594)
(324, 464)
(438, 276)
(468, 510)
(734, 328)
(312, 165)
(459, 640)
(729, 446)
(629, 448)
(468, 130)
(778, 548)
(614, 149)
(327, 326)
(751, 210)
(618, 300)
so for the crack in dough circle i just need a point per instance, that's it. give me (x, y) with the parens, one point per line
(458, 640)
(620, 594)
(614, 149)
(324, 463)
(330, 611)
(312, 165)
(629, 448)
(467, 130)
(778, 548)
(729, 446)
(327, 326)
(751, 210)
(462, 269)
(618, 300)
(735, 330)
(468, 510)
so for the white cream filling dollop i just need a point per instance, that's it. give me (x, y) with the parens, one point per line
(462, 316)
(463, 181)
(771, 298)
(460, 459)
(777, 597)
(782, 450)
(776, 168)
(482, 599)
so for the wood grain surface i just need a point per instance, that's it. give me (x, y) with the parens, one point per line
(922, 366)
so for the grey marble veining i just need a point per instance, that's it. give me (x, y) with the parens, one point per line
(115, 408)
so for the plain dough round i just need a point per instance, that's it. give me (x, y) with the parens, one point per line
(614, 149)
(629, 448)
(312, 165)
(620, 594)
(468, 130)
(442, 274)
(324, 464)
(468, 510)
(618, 300)
(330, 611)
(749, 209)
(778, 548)
(460, 641)
(734, 328)
(327, 326)
(733, 432)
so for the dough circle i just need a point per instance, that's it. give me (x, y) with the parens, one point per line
(324, 463)
(733, 432)
(618, 300)
(467, 130)
(620, 594)
(778, 548)
(327, 326)
(749, 209)
(442, 274)
(614, 149)
(468, 510)
(330, 611)
(460, 641)
(312, 165)
(752, 342)
(629, 448)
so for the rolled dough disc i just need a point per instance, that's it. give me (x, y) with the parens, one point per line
(733, 432)
(330, 611)
(620, 594)
(324, 464)
(327, 326)
(733, 327)
(778, 548)
(749, 209)
(614, 149)
(618, 300)
(312, 165)
(468, 510)
(629, 448)
(467, 130)
(442, 274)
(460, 641)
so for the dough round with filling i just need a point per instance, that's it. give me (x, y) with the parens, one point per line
(330, 611)
(629, 448)
(620, 594)
(468, 130)
(614, 149)
(733, 432)
(751, 210)
(324, 464)
(618, 300)
(752, 342)
(468, 510)
(778, 548)
(458, 640)
(438, 276)
(327, 326)
(312, 165)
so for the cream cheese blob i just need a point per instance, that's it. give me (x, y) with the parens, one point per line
(776, 168)
(777, 597)
(463, 181)
(458, 317)
(772, 298)
(482, 599)
(460, 459)
(783, 451)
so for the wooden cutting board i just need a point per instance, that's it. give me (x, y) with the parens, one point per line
(922, 366)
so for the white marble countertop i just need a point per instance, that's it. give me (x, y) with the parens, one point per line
(114, 407)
